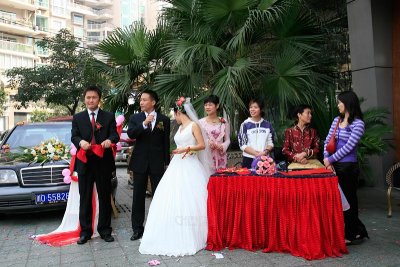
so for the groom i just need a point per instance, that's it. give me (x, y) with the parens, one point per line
(150, 155)
(90, 127)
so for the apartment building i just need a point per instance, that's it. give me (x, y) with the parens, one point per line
(24, 22)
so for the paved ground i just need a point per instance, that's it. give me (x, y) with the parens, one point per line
(383, 249)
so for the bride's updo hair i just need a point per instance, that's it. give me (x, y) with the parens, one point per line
(179, 105)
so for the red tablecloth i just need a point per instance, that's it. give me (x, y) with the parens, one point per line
(302, 216)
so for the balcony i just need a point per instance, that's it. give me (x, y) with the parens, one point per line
(94, 40)
(10, 23)
(21, 4)
(17, 48)
(100, 27)
(98, 3)
(81, 9)
(104, 13)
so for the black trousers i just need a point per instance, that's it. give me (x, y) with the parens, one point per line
(246, 162)
(348, 174)
(96, 174)
(139, 197)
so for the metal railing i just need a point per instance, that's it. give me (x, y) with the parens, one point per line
(95, 39)
(103, 12)
(16, 47)
(31, 2)
(99, 26)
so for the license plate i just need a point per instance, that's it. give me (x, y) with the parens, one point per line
(51, 198)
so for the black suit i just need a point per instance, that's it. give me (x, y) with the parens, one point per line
(96, 169)
(149, 157)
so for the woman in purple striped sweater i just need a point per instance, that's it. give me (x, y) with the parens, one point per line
(344, 160)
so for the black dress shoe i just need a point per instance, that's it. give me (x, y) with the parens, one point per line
(107, 238)
(82, 240)
(136, 236)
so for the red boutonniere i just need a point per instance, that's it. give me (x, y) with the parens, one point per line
(160, 126)
(222, 120)
(98, 126)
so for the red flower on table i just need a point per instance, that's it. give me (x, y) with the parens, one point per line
(98, 126)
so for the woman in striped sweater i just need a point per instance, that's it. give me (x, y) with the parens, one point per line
(344, 160)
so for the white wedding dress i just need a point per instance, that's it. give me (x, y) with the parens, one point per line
(177, 220)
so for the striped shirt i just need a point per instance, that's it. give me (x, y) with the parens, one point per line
(257, 135)
(346, 141)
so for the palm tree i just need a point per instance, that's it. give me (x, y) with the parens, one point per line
(131, 57)
(241, 49)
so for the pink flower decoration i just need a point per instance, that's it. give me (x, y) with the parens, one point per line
(154, 262)
(263, 157)
(66, 172)
(260, 164)
(119, 120)
(73, 151)
(67, 179)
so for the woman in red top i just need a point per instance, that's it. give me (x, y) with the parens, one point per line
(301, 141)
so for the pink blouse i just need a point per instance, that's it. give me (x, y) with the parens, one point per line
(217, 133)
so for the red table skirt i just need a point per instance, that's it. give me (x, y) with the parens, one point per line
(302, 216)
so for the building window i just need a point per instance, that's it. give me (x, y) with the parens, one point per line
(78, 19)
(10, 61)
(57, 25)
(59, 8)
(78, 32)
(8, 17)
(42, 23)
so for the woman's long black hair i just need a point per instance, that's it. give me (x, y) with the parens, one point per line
(351, 105)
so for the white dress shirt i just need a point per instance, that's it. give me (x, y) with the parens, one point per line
(153, 122)
(95, 114)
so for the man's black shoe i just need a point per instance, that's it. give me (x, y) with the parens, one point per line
(82, 240)
(136, 236)
(107, 238)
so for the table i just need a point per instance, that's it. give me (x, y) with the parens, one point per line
(296, 212)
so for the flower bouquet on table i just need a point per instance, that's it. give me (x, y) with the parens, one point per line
(49, 150)
(263, 165)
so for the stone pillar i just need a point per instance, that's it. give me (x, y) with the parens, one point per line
(370, 32)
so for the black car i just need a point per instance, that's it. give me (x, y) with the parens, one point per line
(26, 187)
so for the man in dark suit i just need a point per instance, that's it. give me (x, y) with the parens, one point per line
(150, 155)
(90, 127)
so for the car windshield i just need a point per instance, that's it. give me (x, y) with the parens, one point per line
(32, 134)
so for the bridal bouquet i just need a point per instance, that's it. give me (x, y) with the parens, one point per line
(49, 150)
(264, 165)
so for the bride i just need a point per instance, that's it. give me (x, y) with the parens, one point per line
(177, 221)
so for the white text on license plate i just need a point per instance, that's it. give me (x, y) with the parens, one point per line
(51, 197)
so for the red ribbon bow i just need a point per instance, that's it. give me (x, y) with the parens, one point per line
(98, 150)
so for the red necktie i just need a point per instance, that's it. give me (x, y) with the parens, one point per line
(93, 128)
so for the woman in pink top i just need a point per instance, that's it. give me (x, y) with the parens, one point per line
(217, 130)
